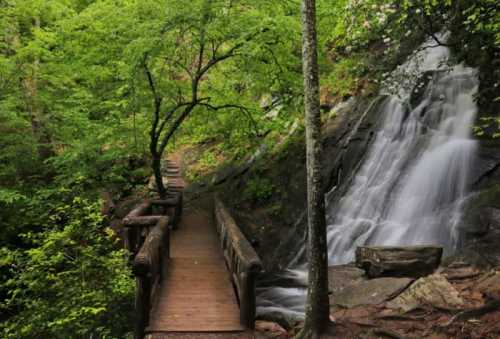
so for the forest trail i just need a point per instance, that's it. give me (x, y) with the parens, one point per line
(196, 296)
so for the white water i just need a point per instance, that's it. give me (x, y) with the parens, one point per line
(413, 181)
(411, 186)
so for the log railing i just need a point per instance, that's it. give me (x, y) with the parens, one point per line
(148, 267)
(242, 261)
(147, 235)
(146, 215)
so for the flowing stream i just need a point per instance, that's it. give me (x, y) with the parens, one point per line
(413, 181)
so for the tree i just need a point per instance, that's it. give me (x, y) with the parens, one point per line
(317, 307)
(198, 38)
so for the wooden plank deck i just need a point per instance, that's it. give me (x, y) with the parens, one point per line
(196, 294)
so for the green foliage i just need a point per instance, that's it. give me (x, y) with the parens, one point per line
(344, 77)
(259, 189)
(76, 111)
(70, 281)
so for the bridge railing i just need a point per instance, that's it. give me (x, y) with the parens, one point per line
(148, 237)
(138, 222)
(148, 267)
(242, 261)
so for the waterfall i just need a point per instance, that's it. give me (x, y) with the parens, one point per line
(413, 181)
(412, 184)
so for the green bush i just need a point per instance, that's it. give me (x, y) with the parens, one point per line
(69, 280)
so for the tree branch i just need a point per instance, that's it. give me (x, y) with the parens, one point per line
(168, 116)
(242, 109)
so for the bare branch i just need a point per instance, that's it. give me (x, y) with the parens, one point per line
(168, 116)
(242, 109)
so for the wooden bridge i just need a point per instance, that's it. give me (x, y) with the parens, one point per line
(195, 270)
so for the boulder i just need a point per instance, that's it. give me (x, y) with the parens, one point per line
(392, 261)
(433, 290)
(369, 292)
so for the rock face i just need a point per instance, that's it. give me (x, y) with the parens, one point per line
(348, 133)
(480, 229)
(411, 261)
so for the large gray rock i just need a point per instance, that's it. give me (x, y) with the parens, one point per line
(349, 287)
(369, 292)
(398, 261)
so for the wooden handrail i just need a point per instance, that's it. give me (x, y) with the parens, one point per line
(149, 236)
(242, 261)
(173, 204)
(148, 266)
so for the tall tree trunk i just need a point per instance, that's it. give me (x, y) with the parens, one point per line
(317, 307)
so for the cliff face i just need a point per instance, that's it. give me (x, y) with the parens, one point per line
(481, 222)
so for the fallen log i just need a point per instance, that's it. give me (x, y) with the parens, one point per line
(398, 261)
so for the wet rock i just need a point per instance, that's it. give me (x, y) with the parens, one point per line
(481, 228)
(342, 276)
(392, 261)
(369, 292)
(286, 321)
(269, 329)
(481, 222)
(433, 290)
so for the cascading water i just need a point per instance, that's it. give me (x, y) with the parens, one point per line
(413, 181)
(412, 184)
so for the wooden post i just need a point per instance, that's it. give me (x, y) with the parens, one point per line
(247, 299)
(142, 304)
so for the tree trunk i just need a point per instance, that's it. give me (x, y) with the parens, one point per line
(317, 307)
(156, 165)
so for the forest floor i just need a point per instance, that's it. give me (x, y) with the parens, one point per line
(457, 301)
